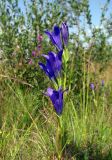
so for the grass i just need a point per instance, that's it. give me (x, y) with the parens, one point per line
(28, 125)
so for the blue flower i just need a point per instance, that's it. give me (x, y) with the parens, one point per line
(56, 98)
(102, 83)
(55, 37)
(53, 64)
(65, 33)
(92, 86)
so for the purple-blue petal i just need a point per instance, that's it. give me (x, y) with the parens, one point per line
(58, 107)
(55, 37)
(59, 103)
(56, 30)
(56, 98)
(52, 56)
(60, 55)
(65, 33)
(45, 56)
(49, 92)
(49, 34)
(43, 67)
(57, 40)
(57, 66)
(50, 69)
(47, 69)
(53, 64)
(92, 86)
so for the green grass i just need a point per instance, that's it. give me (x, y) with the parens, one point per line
(28, 125)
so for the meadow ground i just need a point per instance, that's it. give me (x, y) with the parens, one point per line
(28, 123)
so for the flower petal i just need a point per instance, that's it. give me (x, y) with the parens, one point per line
(52, 56)
(56, 98)
(45, 56)
(60, 55)
(59, 102)
(50, 36)
(55, 37)
(49, 92)
(45, 69)
(65, 33)
(56, 30)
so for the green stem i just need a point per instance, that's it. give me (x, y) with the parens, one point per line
(59, 138)
(65, 60)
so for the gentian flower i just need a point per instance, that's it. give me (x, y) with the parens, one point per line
(102, 83)
(56, 98)
(53, 64)
(65, 33)
(55, 37)
(92, 86)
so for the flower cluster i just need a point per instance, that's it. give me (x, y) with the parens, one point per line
(53, 66)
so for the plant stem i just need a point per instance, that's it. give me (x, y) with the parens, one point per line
(59, 136)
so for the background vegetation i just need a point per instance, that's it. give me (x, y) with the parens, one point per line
(27, 119)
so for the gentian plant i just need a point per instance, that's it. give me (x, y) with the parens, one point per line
(53, 68)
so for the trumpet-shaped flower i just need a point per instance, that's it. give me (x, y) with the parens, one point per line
(65, 33)
(53, 64)
(56, 98)
(55, 37)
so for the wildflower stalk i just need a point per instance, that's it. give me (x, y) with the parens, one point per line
(52, 69)
(60, 132)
